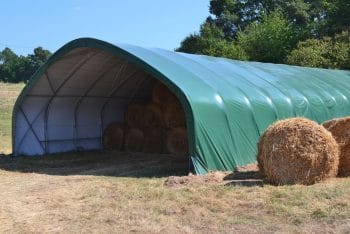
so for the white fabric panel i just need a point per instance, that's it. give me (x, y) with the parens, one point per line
(25, 140)
(108, 82)
(89, 117)
(33, 106)
(59, 71)
(33, 114)
(85, 76)
(60, 120)
(21, 129)
(89, 144)
(42, 87)
(61, 146)
(31, 146)
(114, 111)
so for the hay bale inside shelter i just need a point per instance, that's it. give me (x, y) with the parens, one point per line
(113, 136)
(174, 116)
(298, 151)
(340, 129)
(153, 115)
(154, 140)
(134, 140)
(161, 94)
(176, 141)
(156, 125)
(134, 115)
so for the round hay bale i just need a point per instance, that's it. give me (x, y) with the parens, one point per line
(340, 129)
(261, 143)
(134, 140)
(113, 136)
(153, 116)
(298, 151)
(161, 94)
(176, 141)
(174, 116)
(134, 115)
(154, 140)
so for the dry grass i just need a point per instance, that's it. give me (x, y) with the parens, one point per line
(8, 95)
(82, 195)
(107, 192)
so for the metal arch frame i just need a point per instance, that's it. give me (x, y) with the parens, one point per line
(112, 94)
(45, 117)
(123, 68)
(102, 72)
(72, 73)
(30, 127)
(86, 59)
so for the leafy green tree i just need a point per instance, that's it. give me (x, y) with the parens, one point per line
(308, 18)
(269, 40)
(39, 57)
(7, 55)
(16, 69)
(211, 42)
(234, 15)
(337, 17)
(326, 53)
(8, 62)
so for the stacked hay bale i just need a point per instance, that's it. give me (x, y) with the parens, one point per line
(297, 151)
(340, 129)
(174, 120)
(113, 136)
(134, 134)
(157, 126)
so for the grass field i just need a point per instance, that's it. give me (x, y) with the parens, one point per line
(8, 95)
(103, 192)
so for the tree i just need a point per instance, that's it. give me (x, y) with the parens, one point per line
(211, 42)
(234, 15)
(326, 53)
(337, 17)
(7, 55)
(269, 40)
(8, 62)
(16, 69)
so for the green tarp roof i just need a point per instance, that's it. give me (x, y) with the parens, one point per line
(228, 103)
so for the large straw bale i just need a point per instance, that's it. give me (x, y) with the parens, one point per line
(134, 140)
(154, 140)
(134, 115)
(174, 116)
(161, 94)
(298, 151)
(176, 141)
(113, 136)
(340, 129)
(153, 115)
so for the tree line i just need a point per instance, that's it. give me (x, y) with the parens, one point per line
(18, 68)
(311, 33)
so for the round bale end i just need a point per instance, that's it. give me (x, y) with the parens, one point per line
(340, 129)
(297, 151)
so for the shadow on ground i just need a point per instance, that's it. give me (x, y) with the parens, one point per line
(245, 178)
(121, 164)
(99, 163)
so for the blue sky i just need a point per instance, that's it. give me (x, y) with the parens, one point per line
(27, 24)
